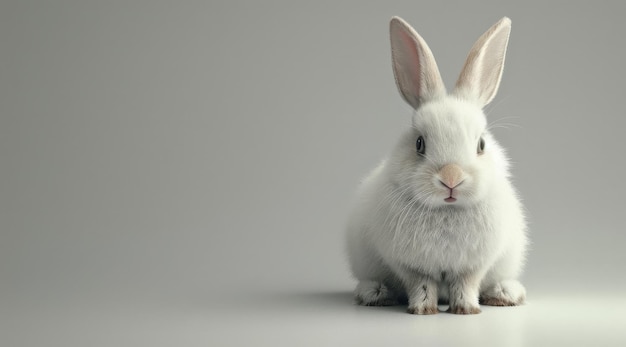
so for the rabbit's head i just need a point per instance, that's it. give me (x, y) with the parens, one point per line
(448, 157)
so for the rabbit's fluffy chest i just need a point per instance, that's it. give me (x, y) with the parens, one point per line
(454, 239)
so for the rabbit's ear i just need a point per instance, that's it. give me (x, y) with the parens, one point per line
(481, 74)
(414, 66)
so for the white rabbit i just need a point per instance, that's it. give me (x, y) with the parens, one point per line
(439, 218)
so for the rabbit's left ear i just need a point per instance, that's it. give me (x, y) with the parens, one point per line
(480, 77)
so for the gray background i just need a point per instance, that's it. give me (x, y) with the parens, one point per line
(167, 165)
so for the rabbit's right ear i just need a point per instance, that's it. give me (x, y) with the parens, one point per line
(414, 66)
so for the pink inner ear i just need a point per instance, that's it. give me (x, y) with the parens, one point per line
(414, 66)
(406, 63)
(412, 62)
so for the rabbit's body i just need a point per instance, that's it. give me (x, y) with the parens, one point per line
(445, 222)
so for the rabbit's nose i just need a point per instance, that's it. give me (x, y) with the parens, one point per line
(450, 186)
(451, 176)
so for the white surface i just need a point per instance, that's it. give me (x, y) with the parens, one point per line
(313, 319)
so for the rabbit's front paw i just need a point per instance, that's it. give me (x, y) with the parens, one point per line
(464, 309)
(423, 298)
(424, 310)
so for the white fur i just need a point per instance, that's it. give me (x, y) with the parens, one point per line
(403, 239)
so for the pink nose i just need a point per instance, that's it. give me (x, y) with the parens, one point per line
(451, 176)
(447, 185)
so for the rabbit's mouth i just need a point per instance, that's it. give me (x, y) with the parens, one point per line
(449, 199)
(453, 194)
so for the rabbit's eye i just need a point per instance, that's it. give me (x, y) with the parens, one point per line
(481, 146)
(420, 145)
